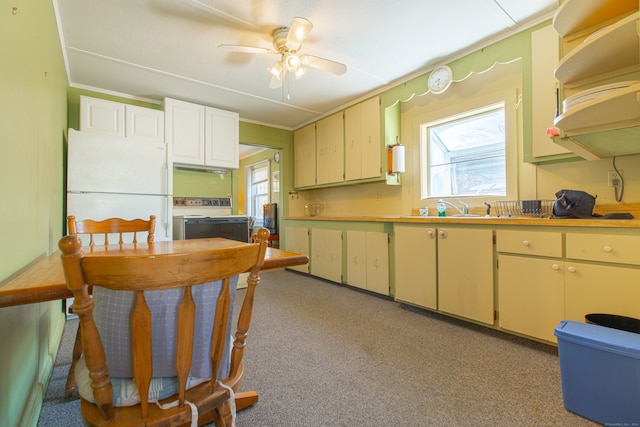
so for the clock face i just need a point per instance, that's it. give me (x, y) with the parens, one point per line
(440, 79)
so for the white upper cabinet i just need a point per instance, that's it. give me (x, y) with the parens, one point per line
(144, 123)
(122, 120)
(185, 130)
(202, 136)
(222, 142)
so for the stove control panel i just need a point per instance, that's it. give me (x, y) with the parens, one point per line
(221, 202)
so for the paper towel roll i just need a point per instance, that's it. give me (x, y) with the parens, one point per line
(397, 164)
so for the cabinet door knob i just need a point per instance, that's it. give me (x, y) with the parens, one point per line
(571, 269)
(431, 234)
(556, 266)
(525, 243)
(606, 248)
(443, 234)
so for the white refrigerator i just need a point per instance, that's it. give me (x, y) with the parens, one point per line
(127, 178)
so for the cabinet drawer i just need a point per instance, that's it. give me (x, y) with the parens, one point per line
(540, 243)
(603, 247)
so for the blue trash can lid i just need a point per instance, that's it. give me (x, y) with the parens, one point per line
(599, 337)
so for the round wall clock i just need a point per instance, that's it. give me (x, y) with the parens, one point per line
(440, 79)
(276, 157)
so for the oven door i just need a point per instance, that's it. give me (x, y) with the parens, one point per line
(234, 228)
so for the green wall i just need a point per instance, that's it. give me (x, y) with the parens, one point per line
(33, 117)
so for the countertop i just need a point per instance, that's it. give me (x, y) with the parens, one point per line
(480, 220)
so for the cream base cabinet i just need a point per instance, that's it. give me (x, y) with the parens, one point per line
(304, 150)
(593, 288)
(297, 240)
(368, 261)
(530, 282)
(596, 287)
(531, 295)
(326, 254)
(330, 149)
(362, 140)
(415, 265)
(465, 273)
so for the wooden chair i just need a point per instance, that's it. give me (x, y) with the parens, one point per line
(105, 228)
(112, 226)
(151, 272)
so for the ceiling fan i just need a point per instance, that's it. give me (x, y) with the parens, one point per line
(287, 42)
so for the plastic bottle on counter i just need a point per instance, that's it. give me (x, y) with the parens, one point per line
(442, 208)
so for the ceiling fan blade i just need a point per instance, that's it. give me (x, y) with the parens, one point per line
(324, 64)
(245, 49)
(299, 30)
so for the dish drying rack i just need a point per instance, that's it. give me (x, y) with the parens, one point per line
(535, 208)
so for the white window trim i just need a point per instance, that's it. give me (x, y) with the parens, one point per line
(424, 146)
(441, 111)
(250, 196)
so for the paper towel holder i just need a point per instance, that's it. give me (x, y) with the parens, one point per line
(395, 158)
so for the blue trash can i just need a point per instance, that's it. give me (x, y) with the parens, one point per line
(600, 372)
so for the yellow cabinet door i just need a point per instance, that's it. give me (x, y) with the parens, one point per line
(591, 288)
(357, 259)
(465, 273)
(362, 140)
(326, 252)
(297, 240)
(330, 150)
(531, 295)
(415, 265)
(377, 262)
(304, 151)
(368, 260)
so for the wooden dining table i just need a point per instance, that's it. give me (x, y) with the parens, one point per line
(43, 280)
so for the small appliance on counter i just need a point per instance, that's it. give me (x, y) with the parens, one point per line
(198, 218)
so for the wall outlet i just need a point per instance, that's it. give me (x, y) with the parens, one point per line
(614, 178)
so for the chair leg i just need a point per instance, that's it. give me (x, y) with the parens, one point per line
(71, 376)
(245, 399)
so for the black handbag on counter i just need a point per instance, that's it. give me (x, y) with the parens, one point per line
(580, 204)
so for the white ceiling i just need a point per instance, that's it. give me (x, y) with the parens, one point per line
(155, 48)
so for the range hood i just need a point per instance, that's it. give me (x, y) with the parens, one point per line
(209, 169)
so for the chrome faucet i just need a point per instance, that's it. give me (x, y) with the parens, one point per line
(464, 210)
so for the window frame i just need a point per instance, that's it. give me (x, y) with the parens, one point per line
(425, 150)
(252, 209)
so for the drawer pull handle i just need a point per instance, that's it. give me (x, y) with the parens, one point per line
(607, 248)
(571, 269)
(525, 242)
(555, 266)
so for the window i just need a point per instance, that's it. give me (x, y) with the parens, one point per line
(464, 155)
(257, 189)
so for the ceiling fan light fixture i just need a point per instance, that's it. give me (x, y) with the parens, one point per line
(292, 62)
(276, 70)
(300, 72)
